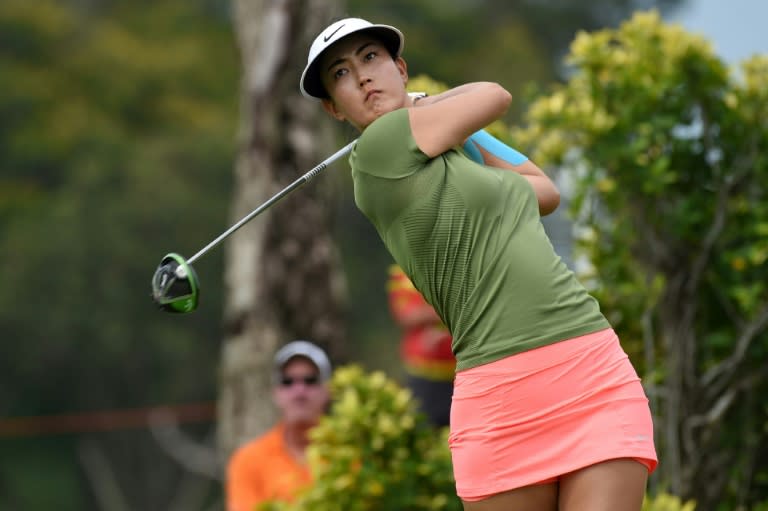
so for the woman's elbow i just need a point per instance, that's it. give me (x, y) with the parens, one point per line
(505, 97)
(549, 201)
(501, 95)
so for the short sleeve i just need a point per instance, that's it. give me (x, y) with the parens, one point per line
(386, 149)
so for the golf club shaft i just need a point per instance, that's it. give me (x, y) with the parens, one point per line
(275, 198)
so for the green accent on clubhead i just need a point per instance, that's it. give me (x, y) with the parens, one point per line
(175, 285)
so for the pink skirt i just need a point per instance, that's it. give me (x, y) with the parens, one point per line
(532, 417)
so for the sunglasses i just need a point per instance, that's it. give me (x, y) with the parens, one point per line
(287, 381)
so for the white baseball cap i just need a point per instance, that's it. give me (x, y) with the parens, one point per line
(307, 350)
(311, 85)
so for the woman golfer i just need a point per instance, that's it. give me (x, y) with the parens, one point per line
(548, 412)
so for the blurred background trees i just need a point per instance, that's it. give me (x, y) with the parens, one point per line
(120, 141)
(116, 136)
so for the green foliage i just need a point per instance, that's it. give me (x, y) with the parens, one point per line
(658, 129)
(374, 452)
(116, 140)
(667, 502)
(760, 506)
(667, 149)
(424, 83)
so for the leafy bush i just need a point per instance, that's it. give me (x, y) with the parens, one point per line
(667, 502)
(374, 451)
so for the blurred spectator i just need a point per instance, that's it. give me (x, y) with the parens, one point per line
(273, 466)
(425, 348)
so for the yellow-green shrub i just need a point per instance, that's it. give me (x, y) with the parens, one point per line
(373, 452)
(667, 502)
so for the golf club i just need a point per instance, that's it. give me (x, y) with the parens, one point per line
(175, 287)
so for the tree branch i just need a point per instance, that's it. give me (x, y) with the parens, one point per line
(728, 307)
(718, 376)
(102, 478)
(191, 493)
(194, 457)
(705, 248)
(715, 412)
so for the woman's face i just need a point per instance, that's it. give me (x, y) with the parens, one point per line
(363, 80)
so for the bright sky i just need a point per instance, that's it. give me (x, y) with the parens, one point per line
(736, 28)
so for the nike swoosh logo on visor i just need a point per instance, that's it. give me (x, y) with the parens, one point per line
(326, 38)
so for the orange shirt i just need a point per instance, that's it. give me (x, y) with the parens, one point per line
(263, 470)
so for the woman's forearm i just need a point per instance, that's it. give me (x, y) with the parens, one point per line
(461, 89)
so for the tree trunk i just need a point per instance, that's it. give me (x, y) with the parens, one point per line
(282, 276)
(696, 460)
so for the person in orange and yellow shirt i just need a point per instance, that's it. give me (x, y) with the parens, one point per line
(273, 466)
(425, 348)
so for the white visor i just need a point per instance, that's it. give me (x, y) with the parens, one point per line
(311, 85)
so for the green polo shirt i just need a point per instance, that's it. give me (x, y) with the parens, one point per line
(471, 239)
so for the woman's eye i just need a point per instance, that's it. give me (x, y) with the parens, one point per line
(339, 73)
(370, 55)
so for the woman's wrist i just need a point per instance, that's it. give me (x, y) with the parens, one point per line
(416, 97)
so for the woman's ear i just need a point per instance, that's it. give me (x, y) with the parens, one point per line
(330, 106)
(402, 67)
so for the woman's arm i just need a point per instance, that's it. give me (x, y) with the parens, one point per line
(546, 191)
(447, 119)
(486, 149)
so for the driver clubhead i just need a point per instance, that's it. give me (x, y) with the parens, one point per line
(174, 285)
